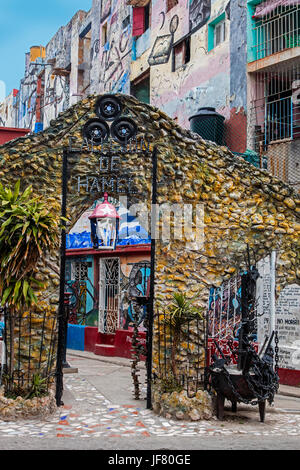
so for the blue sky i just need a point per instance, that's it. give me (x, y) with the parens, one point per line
(26, 23)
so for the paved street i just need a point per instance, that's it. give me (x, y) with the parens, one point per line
(100, 412)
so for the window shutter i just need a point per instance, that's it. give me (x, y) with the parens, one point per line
(138, 21)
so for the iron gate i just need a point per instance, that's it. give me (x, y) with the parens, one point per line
(109, 295)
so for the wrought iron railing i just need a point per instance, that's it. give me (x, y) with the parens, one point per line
(279, 120)
(29, 352)
(179, 354)
(277, 31)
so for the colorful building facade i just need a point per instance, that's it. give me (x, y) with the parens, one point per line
(239, 58)
(104, 285)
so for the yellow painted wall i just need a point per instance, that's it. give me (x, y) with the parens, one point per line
(37, 52)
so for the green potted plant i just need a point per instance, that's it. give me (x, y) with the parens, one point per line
(180, 311)
(29, 230)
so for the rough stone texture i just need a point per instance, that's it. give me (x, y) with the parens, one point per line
(35, 344)
(20, 408)
(189, 354)
(243, 206)
(178, 405)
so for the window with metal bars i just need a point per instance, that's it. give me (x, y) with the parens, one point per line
(80, 271)
(219, 33)
(276, 27)
(275, 106)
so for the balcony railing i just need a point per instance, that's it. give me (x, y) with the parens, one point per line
(276, 32)
(279, 120)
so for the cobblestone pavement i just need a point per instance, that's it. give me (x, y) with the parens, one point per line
(87, 412)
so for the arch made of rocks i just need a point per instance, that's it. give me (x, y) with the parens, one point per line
(243, 205)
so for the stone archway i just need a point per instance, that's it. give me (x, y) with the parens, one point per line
(241, 202)
(243, 206)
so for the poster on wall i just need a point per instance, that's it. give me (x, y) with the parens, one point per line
(161, 50)
(287, 317)
(199, 13)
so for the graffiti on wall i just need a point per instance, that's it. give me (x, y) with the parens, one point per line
(106, 9)
(162, 84)
(115, 73)
(162, 47)
(134, 292)
(57, 93)
(95, 49)
(82, 304)
(224, 310)
(199, 13)
(115, 60)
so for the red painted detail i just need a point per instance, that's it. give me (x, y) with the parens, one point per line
(10, 133)
(90, 338)
(236, 131)
(123, 343)
(15, 92)
(105, 209)
(289, 377)
(105, 338)
(107, 350)
(110, 345)
(223, 344)
(286, 376)
(120, 250)
(138, 21)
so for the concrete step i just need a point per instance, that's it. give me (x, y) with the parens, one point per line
(105, 349)
(289, 391)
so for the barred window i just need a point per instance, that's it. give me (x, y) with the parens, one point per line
(80, 271)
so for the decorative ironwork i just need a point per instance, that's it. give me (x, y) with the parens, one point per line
(253, 379)
(80, 270)
(29, 342)
(109, 295)
(95, 131)
(180, 354)
(108, 107)
(123, 129)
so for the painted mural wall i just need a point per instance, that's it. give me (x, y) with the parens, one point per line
(114, 49)
(197, 58)
(82, 272)
(194, 52)
(8, 110)
(181, 92)
(27, 96)
(64, 56)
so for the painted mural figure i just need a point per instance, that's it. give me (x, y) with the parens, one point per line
(199, 13)
(104, 231)
(225, 310)
(137, 287)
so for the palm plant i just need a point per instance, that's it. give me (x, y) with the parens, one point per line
(28, 230)
(180, 311)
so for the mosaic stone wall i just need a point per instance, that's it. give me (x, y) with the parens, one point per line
(242, 205)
